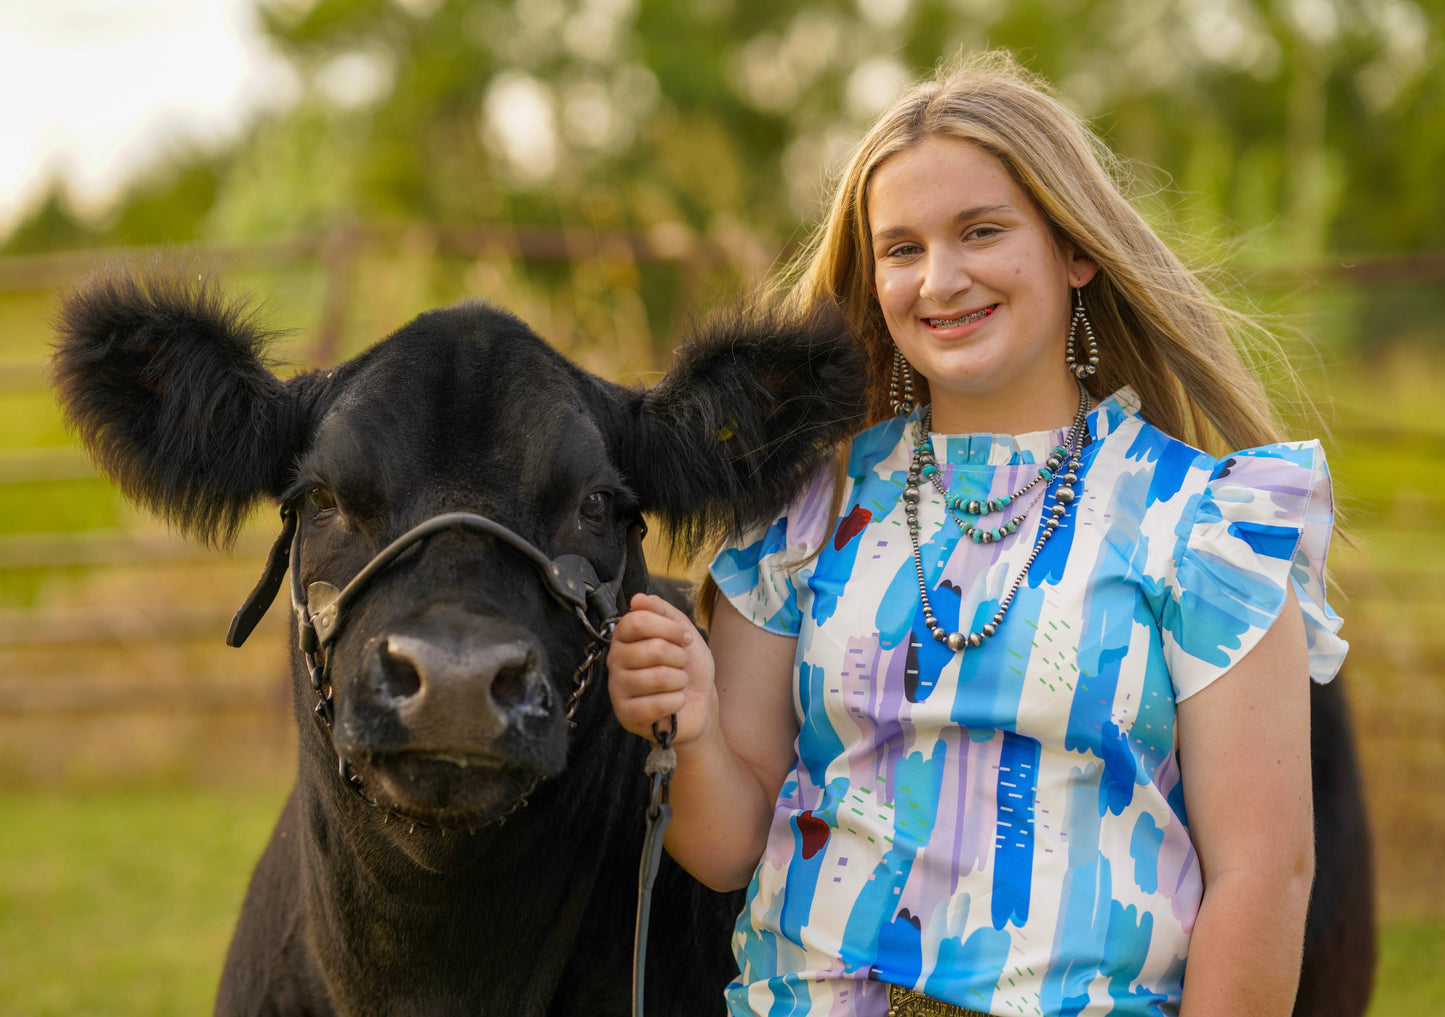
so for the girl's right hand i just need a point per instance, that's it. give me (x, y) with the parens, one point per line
(659, 666)
(735, 731)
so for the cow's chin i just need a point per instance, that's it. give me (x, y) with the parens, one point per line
(446, 792)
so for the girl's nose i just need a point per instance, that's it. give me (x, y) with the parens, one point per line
(944, 277)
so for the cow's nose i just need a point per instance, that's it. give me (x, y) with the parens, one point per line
(410, 666)
(455, 684)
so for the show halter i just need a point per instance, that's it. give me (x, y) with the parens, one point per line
(321, 610)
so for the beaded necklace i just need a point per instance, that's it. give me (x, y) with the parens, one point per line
(923, 466)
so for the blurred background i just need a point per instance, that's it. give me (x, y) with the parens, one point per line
(609, 169)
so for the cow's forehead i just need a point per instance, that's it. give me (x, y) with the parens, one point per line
(461, 400)
(458, 366)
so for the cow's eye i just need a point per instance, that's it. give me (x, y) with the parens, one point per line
(322, 500)
(595, 505)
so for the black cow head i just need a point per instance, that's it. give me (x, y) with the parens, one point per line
(451, 670)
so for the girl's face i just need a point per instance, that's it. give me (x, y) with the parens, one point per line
(975, 287)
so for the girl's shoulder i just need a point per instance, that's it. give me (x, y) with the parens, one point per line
(1222, 538)
(1141, 454)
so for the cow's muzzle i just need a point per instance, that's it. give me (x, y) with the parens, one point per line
(447, 712)
(449, 681)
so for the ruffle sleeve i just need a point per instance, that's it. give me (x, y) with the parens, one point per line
(1264, 520)
(762, 572)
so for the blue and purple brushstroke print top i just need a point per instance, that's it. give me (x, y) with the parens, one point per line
(1005, 830)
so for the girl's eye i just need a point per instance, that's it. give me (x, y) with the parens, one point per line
(595, 505)
(321, 499)
(903, 251)
(983, 233)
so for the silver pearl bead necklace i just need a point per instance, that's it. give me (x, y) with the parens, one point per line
(923, 467)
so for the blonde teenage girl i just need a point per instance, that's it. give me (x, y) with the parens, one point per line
(1009, 714)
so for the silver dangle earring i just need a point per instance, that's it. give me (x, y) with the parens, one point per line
(1090, 362)
(900, 385)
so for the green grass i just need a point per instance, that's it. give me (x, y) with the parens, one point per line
(32, 420)
(1410, 980)
(122, 903)
(25, 317)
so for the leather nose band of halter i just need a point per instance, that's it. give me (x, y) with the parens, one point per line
(569, 578)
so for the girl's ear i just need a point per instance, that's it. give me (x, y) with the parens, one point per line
(1081, 267)
(751, 407)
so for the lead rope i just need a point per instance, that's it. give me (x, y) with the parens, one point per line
(661, 761)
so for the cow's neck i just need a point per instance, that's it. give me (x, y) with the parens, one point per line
(368, 897)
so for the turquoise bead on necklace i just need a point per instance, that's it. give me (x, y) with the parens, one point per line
(928, 470)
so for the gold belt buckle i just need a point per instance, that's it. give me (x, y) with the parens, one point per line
(912, 1003)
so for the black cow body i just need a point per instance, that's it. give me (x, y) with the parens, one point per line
(496, 873)
(1338, 973)
(454, 844)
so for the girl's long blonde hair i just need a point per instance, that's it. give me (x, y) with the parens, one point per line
(1160, 330)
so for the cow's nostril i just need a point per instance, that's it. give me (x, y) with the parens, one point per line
(399, 676)
(509, 687)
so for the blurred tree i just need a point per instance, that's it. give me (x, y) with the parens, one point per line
(52, 226)
(726, 116)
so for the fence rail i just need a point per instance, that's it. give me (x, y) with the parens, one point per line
(83, 694)
(95, 548)
(669, 242)
(338, 243)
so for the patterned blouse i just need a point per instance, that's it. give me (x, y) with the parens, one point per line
(1004, 829)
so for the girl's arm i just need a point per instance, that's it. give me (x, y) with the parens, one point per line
(1245, 759)
(735, 727)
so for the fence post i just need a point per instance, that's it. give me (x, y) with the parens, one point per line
(339, 249)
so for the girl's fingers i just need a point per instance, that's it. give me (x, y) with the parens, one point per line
(635, 626)
(649, 653)
(652, 651)
(637, 683)
(638, 715)
(659, 667)
(651, 617)
(655, 604)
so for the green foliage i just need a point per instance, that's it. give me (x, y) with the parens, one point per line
(166, 208)
(53, 226)
(58, 506)
(714, 113)
(170, 208)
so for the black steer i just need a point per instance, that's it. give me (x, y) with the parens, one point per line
(449, 673)
(431, 693)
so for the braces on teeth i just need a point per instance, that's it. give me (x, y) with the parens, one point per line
(949, 322)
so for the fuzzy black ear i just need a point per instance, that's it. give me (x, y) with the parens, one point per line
(164, 380)
(752, 405)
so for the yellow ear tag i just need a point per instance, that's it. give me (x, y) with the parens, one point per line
(723, 433)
